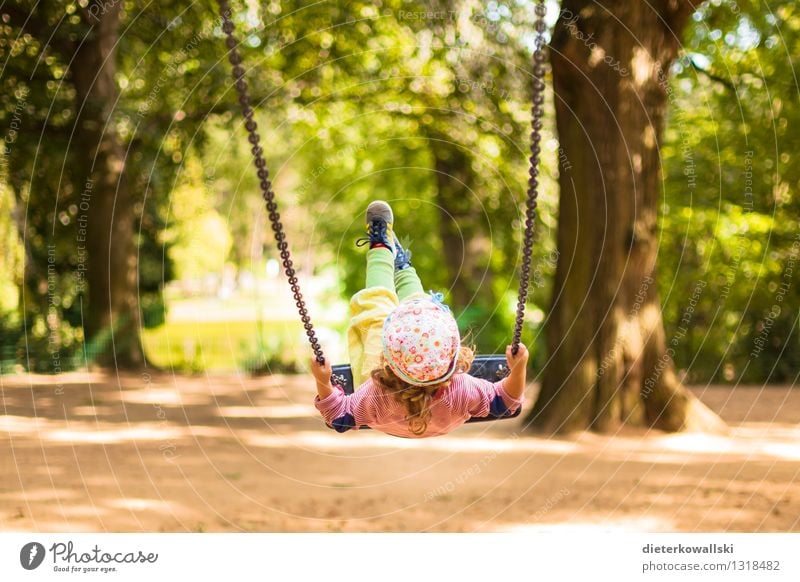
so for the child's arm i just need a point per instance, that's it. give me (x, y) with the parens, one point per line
(515, 383)
(340, 410)
(494, 399)
(322, 374)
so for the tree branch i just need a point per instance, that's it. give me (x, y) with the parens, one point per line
(708, 74)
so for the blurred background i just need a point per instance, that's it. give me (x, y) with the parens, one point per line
(154, 245)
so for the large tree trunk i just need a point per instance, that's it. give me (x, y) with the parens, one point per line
(111, 317)
(462, 228)
(610, 362)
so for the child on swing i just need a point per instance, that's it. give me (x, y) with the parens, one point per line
(406, 353)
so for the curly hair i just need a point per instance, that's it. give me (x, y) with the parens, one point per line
(418, 400)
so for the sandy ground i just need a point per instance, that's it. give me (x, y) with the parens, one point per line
(84, 452)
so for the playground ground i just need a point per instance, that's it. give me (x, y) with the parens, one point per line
(94, 452)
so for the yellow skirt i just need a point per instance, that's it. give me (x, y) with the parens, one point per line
(368, 310)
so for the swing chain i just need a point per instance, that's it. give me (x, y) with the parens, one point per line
(537, 112)
(265, 183)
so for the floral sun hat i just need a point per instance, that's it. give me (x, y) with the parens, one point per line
(421, 342)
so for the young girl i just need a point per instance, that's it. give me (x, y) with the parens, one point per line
(406, 354)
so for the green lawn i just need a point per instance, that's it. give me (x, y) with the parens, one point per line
(223, 346)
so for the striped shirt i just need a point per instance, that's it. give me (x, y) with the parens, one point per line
(371, 405)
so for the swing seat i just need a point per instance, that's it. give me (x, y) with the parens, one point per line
(491, 368)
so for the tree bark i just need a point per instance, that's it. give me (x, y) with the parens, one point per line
(462, 227)
(609, 359)
(111, 316)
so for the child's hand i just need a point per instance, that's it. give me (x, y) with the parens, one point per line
(322, 372)
(518, 362)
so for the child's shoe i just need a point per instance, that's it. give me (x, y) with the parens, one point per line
(380, 227)
(402, 257)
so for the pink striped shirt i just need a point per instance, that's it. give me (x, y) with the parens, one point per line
(371, 405)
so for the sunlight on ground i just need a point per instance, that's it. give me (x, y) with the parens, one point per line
(134, 504)
(785, 451)
(700, 443)
(634, 524)
(283, 411)
(164, 397)
(87, 432)
(108, 436)
(743, 444)
(369, 439)
(661, 449)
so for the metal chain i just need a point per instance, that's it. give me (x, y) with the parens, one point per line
(537, 111)
(263, 176)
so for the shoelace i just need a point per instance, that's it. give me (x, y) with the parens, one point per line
(376, 228)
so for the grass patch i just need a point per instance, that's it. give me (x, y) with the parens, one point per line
(223, 346)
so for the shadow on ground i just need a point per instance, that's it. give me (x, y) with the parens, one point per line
(225, 453)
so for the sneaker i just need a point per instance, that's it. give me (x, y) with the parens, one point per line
(380, 227)
(402, 257)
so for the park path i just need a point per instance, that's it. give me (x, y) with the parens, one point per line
(92, 452)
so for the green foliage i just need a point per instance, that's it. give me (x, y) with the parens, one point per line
(424, 104)
(196, 233)
(168, 83)
(430, 114)
(731, 206)
(11, 251)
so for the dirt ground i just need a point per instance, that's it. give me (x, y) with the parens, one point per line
(87, 452)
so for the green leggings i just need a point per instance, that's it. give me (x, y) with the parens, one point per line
(381, 273)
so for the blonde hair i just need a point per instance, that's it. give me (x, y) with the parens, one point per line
(418, 400)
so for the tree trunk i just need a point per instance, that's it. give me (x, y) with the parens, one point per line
(610, 362)
(111, 316)
(462, 228)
